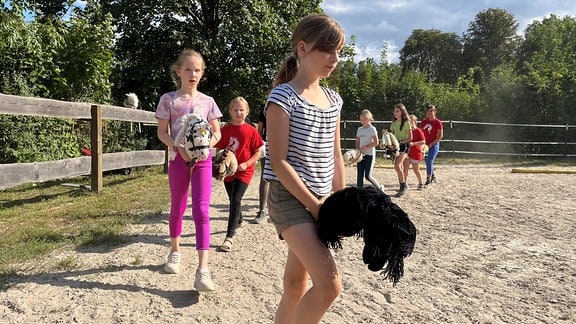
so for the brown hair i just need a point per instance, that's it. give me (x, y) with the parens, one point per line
(404, 117)
(318, 29)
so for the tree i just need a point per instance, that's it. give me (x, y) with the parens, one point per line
(548, 65)
(242, 41)
(491, 40)
(434, 53)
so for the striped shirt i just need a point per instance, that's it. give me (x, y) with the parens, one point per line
(310, 138)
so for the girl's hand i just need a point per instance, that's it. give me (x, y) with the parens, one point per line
(314, 210)
(243, 166)
(182, 151)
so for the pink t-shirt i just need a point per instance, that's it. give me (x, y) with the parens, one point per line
(174, 108)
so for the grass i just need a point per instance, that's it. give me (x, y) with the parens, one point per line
(36, 219)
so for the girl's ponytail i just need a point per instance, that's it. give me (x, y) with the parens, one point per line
(287, 70)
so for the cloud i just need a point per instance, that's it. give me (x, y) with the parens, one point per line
(375, 22)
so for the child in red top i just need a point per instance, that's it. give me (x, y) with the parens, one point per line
(415, 154)
(245, 142)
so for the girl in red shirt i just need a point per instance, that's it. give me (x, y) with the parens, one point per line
(245, 142)
(415, 154)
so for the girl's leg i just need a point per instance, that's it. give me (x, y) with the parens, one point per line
(406, 167)
(307, 255)
(201, 193)
(360, 166)
(179, 182)
(399, 166)
(370, 162)
(416, 167)
(430, 157)
(401, 173)
(236, 190)
(263, 188)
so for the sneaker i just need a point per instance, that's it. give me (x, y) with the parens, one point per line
(173, 263)
(420, 187)
(433, 179)
(259, 217)
(203, 281)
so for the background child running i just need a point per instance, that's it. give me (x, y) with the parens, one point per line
(245, 142)
(172, 109)
(433, 131)
(304, 165)
(415, 154)
(366, 142)
(401, 129)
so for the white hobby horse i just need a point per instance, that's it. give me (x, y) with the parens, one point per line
(390, 144)
(352, 156)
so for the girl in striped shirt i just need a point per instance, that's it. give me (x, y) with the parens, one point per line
(304, 164)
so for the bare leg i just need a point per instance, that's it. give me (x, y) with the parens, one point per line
(175, 244)
(203, 259)
(307, 255)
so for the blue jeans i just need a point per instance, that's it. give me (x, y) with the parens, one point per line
(432, 153)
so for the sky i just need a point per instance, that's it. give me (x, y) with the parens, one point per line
(375, 22)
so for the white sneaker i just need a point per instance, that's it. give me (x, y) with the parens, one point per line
(173, 263)
(203, 281)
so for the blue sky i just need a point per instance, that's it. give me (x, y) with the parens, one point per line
(375, 22)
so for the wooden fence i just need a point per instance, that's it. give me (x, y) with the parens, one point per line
(464, 141)
(474, 139)
(15, 174)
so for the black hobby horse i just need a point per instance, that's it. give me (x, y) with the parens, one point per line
(389, 235)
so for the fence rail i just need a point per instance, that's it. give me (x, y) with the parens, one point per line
(15, 174)
(491, 139)
(460, 137)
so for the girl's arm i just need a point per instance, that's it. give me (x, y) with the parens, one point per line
(164, 137)
(216, 134)
(163, 134)
(253, 158)
(439, 136)
(339, 181)
(278, 149)
(408, 138)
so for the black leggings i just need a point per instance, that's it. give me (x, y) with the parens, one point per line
(235, 190)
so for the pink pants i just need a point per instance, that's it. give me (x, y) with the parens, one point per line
(180, 178)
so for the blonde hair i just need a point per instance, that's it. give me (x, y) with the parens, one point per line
(241, 101)
(413, 119)
(184, 54)
(366, 113)
(318, 29)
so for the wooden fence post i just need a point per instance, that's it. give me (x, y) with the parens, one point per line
(96, 178)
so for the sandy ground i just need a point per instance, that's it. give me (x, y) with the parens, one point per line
(493, 247)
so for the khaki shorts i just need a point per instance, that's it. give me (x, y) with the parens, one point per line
(284, 209)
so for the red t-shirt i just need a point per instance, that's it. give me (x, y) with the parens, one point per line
(244, 141)
(431, 128)
(415, 152)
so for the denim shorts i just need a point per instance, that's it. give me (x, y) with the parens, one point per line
(284, 209)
